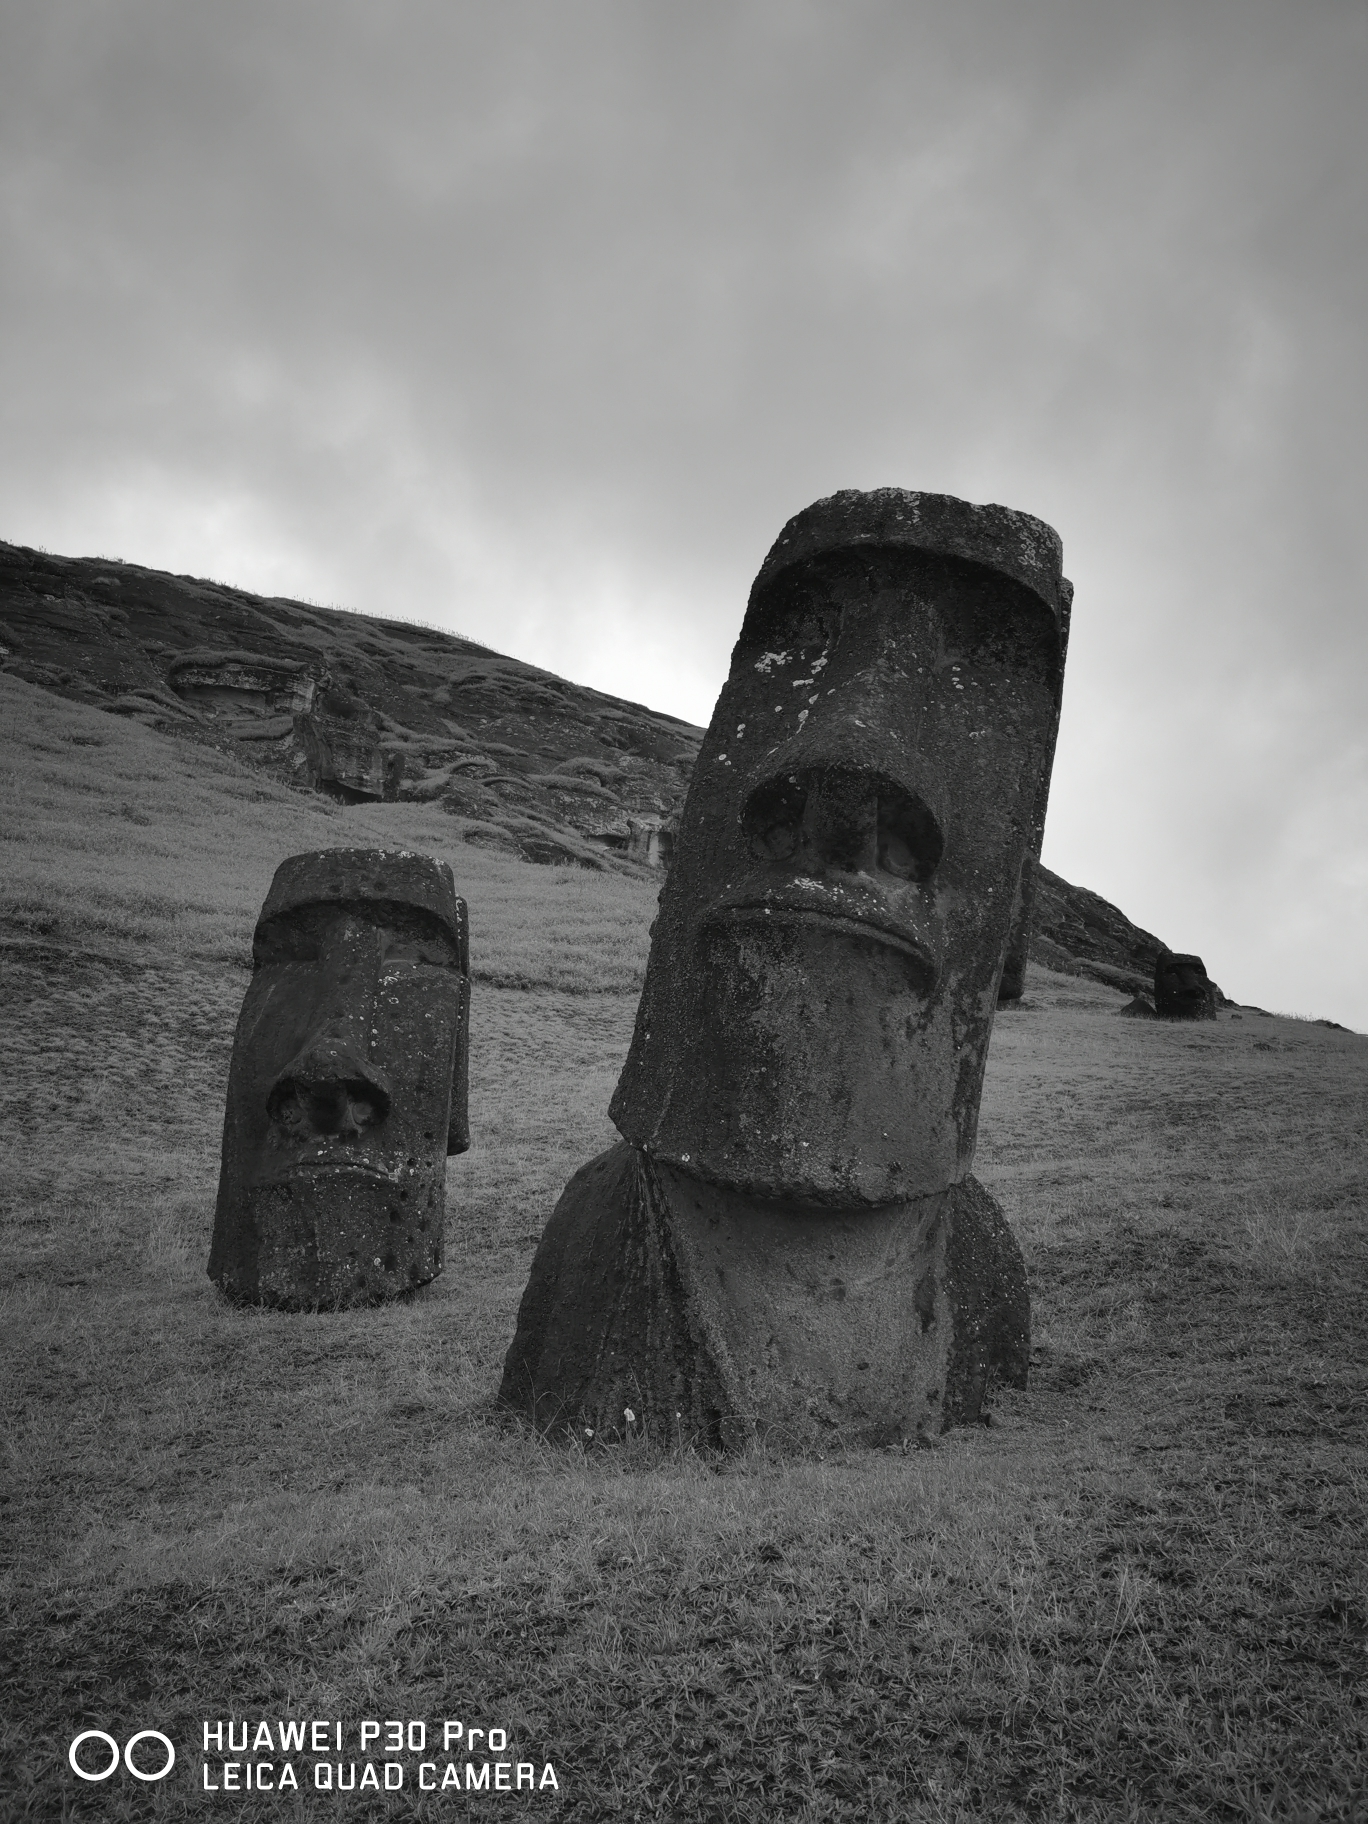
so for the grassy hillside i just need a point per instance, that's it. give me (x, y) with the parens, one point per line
(518, 758)
(1139, 1593)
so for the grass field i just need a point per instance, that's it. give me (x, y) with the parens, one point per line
(1141, 1593)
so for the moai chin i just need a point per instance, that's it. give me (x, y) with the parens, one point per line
(787, 1242)
(1181, 988)
(348, 1083)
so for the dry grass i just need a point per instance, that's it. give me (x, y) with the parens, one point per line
(1139, 1594)
(112, 837)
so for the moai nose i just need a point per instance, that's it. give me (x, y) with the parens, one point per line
(326, 1090)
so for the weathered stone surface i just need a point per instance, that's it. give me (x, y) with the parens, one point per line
(1136, 1009)
(339, 749)
(1019, 938)
(717, 1320)
(1182, 990)
(348, 1084)
(824, 948)
(243, 681)
(793, 1216)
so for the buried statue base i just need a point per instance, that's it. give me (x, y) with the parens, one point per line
(718, 1319)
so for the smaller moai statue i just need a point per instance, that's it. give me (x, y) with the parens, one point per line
(1181, 988)
(348, 1084)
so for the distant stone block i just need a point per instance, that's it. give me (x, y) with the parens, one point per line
(1181, 988)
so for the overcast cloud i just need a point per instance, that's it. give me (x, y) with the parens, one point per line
(536, 321)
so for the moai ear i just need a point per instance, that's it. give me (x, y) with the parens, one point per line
(458, 1127)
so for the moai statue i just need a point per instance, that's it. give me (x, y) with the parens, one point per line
(348, 1083)
(787, 1243)
(1013, 981)
(1181, 988)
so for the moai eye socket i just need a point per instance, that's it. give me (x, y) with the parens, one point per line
(408, 936)
(910, 841)
(287, 1112)
(291, 939)
(773, 819)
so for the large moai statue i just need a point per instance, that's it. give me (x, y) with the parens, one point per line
(1181, 988)
(787, 1242)
(348, 1083)
(1013, 982)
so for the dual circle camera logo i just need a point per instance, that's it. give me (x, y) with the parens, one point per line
(125, 1754)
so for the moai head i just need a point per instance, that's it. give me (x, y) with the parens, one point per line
(1181, 988)
(824, 968)
(348, 1083)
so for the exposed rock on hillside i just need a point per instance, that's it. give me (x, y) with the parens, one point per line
(351, 705)
(360, 707)
(1080, 933)
(337, 748)
(243, 681)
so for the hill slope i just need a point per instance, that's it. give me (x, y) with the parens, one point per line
(524, 759)
(520, 759)
(1138, 1594)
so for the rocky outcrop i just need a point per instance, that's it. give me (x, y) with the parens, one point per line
(651, 840)
(245, 682)
(337, 749)
(1080, 933)
(1138, 1008)
(349, 704)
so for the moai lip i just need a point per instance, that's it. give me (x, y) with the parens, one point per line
(1181, 988)
(348, 1084)
(789, 1243)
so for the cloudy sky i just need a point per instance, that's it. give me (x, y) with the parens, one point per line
(536, 320)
